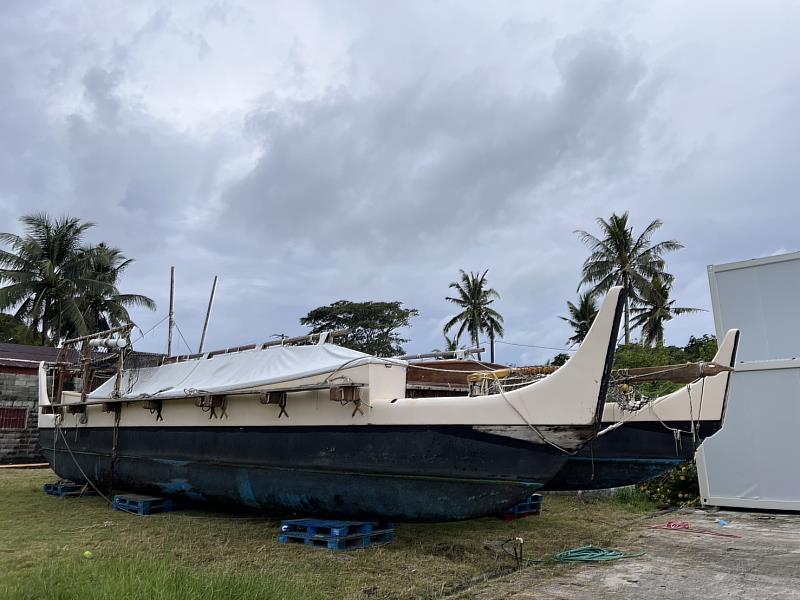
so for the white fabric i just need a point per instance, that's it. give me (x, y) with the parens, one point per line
(235, 371)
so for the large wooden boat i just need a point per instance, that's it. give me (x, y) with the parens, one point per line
(324, 429)
(638, 444)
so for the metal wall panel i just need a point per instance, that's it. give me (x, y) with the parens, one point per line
(761, 298)
(752, 461)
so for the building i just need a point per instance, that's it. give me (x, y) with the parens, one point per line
(19, 397)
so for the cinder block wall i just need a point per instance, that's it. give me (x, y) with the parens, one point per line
(20, 390)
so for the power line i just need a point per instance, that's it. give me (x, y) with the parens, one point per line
(535, 346)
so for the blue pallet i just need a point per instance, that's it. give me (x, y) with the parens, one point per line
(531, 506)
(62, 489)
(141, 505)
(322, 527)
(349, 542)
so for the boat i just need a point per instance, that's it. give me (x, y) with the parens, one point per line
(638, 444)
(322, 429)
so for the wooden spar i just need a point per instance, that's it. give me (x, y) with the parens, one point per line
(271, 344)
(442, 354)
(105, 333)
(685, 373)
(208, 315)
(171, 311)
(304, 338)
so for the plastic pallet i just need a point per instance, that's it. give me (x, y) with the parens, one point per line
(322, 527)
(142, 505)
(531, 506)
(349, 542)
(67, 490)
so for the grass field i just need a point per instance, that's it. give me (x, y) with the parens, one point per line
(199, 555)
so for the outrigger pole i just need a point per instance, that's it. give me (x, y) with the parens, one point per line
(171, 309)
(208, 315)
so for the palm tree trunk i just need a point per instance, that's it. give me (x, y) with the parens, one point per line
(475, 343)
(491, 347)
(626, 286)
(627, 321)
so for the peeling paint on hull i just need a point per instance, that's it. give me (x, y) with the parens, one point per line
(405, 473)
(631, 454)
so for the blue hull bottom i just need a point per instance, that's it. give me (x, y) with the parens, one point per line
(398, 473)
(631, 454)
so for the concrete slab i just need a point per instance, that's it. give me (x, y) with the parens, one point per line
(763, 563)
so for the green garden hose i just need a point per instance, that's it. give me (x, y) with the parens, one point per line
(583, 554)
(591, 554)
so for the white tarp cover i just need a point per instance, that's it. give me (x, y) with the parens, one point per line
(235, 371)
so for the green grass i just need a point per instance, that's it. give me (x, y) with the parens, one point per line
(201, 555)
(633, 498)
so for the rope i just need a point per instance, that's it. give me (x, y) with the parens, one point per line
(144, 333)
(185, 343)
(686, 527)
(523, 417)
(535, 346)
(75, 460)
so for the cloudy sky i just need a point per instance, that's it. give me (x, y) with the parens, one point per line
(307, 151)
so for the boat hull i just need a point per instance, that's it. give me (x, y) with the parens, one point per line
(631, 454)
(405, 473)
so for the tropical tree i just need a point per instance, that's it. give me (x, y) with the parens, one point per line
(372, 325)
(620, 258)
(45, 271)
(105, 308)
(450, 344)
(656, 308)
(50, 276)
(581, 316)
(477, 316)
(14, 331)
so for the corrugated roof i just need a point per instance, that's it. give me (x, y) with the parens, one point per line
(22, 355)
(28, 357)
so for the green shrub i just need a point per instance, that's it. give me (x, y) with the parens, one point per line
(678, 487)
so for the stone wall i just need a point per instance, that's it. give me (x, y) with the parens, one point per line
(19, 389)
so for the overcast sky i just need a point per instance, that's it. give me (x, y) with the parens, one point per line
(308, 152)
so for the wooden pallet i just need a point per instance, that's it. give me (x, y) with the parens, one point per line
(141, 505)
(67, 489)
(325, 527)
(335, 535)
(531, 506)
(348, 542)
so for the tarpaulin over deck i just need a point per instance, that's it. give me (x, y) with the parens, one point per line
(232, 372)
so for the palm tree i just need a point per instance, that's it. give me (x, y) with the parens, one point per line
(619, 259)
(474, 298)
(108, 308)
(657, 308)
(58, 287)
(46, 271)
(581, 316)
(450, 344)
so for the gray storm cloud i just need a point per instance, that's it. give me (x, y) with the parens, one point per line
(307, 153)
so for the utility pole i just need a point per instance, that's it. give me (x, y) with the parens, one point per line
(208, 314)
(171, 309)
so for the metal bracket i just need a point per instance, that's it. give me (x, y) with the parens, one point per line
(154, 406)
(211, 403)
(278, 398)
(344, 394)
